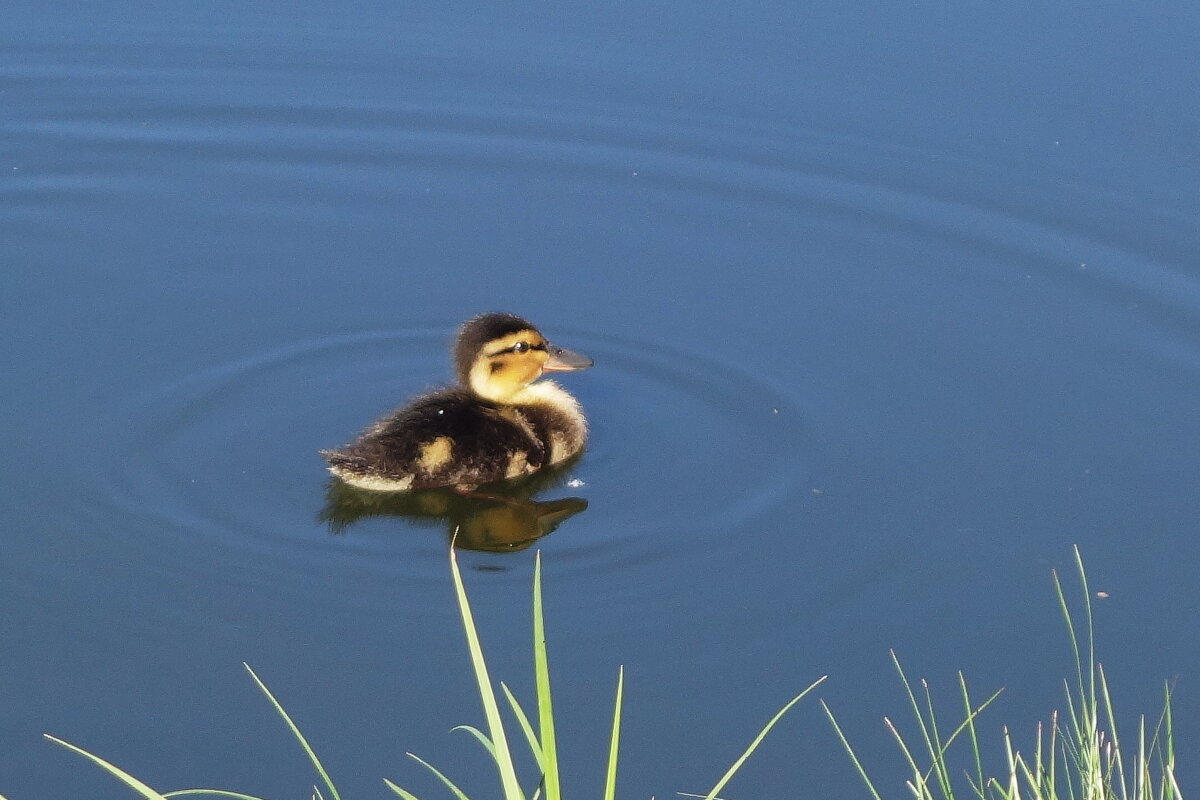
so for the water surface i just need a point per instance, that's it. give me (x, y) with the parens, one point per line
(889, 309)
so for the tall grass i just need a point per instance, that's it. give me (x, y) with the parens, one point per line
(1076, 755)
(544, 785)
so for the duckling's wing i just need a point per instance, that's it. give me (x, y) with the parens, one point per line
(442, 439)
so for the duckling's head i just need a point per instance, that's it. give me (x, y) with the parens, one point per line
(497, 355)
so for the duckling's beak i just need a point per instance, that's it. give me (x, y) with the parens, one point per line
(564, 360)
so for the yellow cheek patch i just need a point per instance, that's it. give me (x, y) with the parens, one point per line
(436, 454)
(508, 364)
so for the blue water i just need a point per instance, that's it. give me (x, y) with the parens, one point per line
(890, 307)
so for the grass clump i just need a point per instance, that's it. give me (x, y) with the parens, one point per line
(1075, 756)
(495, 741)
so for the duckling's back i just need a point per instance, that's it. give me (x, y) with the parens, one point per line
(446, 438)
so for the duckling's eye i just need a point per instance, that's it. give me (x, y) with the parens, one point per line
(519, 347)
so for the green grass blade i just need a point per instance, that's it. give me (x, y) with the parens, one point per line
(133, 783)
(1167, 765)
(404, 793)
(862, 772)
(1087, 613)
(541, 674)
(1072, 635)
(1052, 749)
(312, 756)
(504, 763)
(919, 778)
(969, 722)
(969, 725)
(610, 778)
(1076, 756)
(1014, 769)
(1112, 730)
(526, 727)
(938, 767)
(438, 773)
(762, 734)
(210, 793)
(916, 709)
(480, 735)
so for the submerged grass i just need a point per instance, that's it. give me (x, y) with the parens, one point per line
(1076, 756)
(542, 742)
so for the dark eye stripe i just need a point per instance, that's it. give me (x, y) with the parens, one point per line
(519, 347)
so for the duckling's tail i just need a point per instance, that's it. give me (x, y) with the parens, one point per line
(363, 473)
(341, 462)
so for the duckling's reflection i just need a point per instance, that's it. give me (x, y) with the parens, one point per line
(494, 518)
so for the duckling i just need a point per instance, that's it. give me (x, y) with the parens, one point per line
(500, 422)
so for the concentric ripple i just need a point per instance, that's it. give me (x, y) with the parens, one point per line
(229, 454)
(904, 264)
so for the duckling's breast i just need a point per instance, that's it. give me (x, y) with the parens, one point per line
(556, 419)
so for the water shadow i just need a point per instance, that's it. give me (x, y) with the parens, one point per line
(494, 518)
